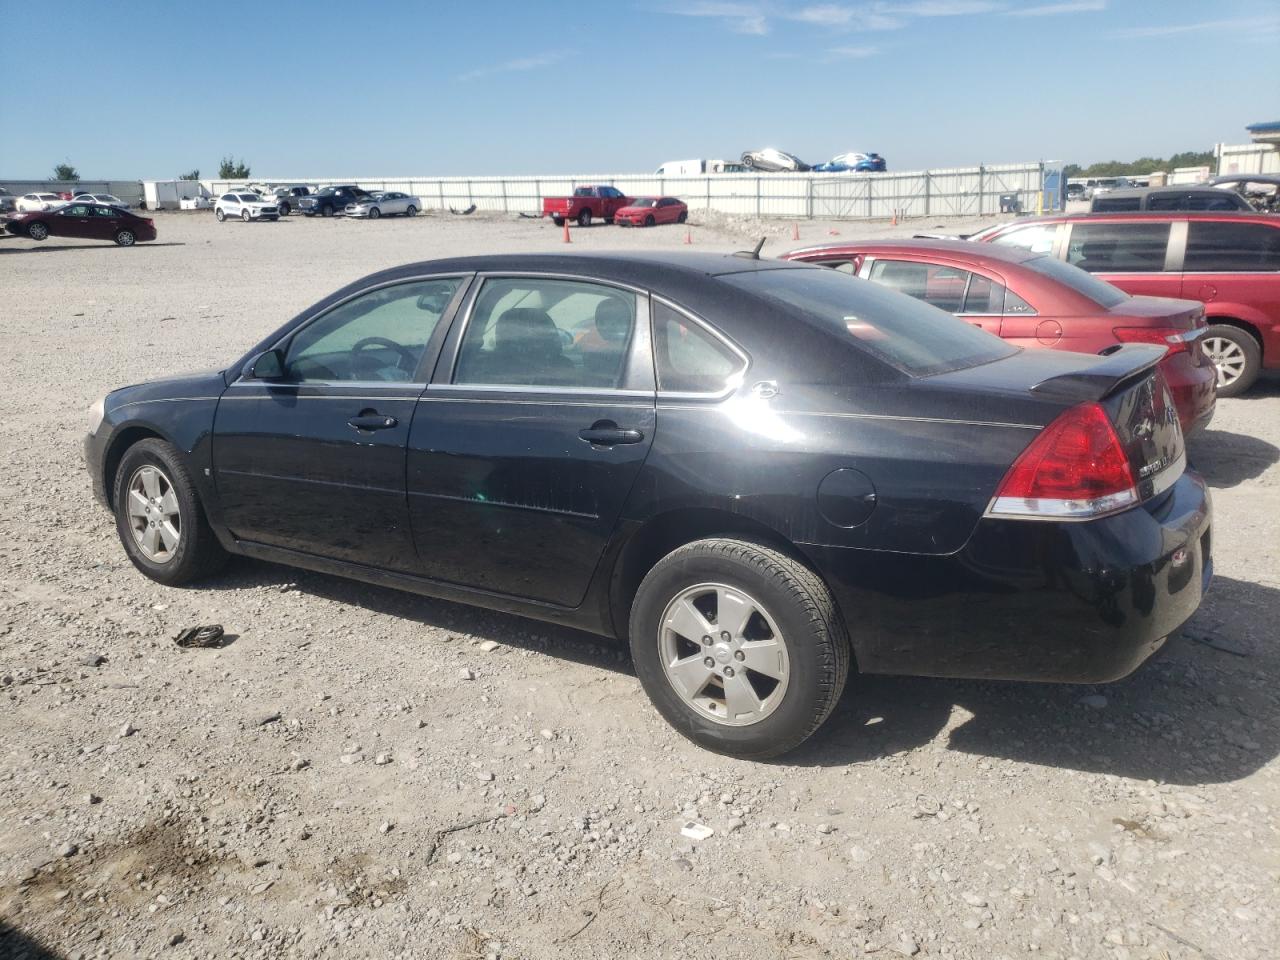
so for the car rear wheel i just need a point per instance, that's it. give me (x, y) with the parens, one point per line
(1237, 357)
(219, 215)
(159, 518)
(584, 218)
(412, 211)
(739, 646)
(245, 216)
(125, 238)
(374, 213)
(37, 231)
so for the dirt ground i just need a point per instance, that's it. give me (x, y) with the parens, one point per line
(329, 784)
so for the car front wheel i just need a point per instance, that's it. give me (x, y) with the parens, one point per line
(159, 517)
(219, 215)
(374, 213)
(38, 231)
(284, 209)
(1237, 357)
(245, 216)
(584, 218)
(412, 211)
(739, 646)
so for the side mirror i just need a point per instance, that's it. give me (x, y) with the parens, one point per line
(268, 366)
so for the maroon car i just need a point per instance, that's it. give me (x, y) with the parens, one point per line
(1036, 301)
(649, 211)
(1229, 261)
(90, 221)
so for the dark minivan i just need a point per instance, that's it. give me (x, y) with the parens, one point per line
(1169, 199)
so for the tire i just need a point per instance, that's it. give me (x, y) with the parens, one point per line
(584, 218)
(649, 221)
(558, 221)
(793, 609)
(684, 215)
(284, 209)
(38, 231)
(219, 215)
(412, 211)
(190, 551)
(374, 213)
(125, 238)
(748, 161)
(326, 210)
(245, 216)
(1237, 356)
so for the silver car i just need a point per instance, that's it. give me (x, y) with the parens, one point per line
(384, 204)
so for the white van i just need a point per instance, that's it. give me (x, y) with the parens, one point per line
(681, 168)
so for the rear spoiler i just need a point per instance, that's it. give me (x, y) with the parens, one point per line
(1107, 373)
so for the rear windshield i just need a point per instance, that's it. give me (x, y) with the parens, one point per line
(914, 337)
(1082, 282)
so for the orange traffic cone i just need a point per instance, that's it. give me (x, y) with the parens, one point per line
(894, 221)
(795, 231)
(566, 231)
(688, 235)
(833, 232)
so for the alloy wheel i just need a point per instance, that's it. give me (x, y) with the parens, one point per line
(125, 238)
(723, 654)
(154, 516)
(37, 231)
(1228, 358)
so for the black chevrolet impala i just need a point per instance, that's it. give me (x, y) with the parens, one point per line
(759, 473)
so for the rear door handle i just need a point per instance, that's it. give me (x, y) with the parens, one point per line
(372, 421)
(610, 434)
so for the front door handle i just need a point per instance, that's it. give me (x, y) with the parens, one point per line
(372, 421)
(608, 433)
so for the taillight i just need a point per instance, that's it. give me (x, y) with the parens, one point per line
(1075, 469)
(1174, 338)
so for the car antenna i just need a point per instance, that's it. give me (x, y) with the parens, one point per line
(753, 254)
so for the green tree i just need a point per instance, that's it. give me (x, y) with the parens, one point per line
(190, 175)
(1142, 166)
(65, 171)
(233, 169)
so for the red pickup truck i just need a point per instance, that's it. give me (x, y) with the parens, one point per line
(598, 202)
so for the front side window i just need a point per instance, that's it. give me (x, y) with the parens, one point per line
(536, 331)
(1219, 246)
(1118, 247)
(75, 210)
(379, 336)
(105, 212)
(689, 359)
(1036, 237)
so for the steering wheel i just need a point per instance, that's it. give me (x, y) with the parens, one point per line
(407, 360)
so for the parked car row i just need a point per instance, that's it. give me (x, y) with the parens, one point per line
(759, 473)
(779, 161)
(29, 202)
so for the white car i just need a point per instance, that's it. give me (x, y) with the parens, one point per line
(385, 203)
(32, 202)
(108, 199)
(247, 206)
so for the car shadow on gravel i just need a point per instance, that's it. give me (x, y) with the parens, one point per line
(1227, 459)
(1204, 711)
(104, 245)
(16, 945)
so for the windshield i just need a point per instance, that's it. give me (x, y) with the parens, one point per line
(644, 202)
(914, 337)
(249, 197)
(1082, 282)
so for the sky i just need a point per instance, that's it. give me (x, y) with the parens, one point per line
(323, 89)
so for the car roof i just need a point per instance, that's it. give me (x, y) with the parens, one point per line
(953, 249)
(1235, 216)
(1148, 191)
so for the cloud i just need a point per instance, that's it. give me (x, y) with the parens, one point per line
(512, 66)
(755, 17)
(943, 8)
(748, 18)
(1246, 25)
(827, 15)
(1054, 9)
(851, 53)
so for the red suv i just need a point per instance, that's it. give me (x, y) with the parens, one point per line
(1036, 301)
(1230, 261)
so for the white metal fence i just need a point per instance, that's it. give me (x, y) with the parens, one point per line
(1247, 158)
(957, 192)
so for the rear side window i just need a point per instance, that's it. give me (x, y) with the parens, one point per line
(689, 359)
(1218, 200)
(1225, 247)
(983, 296)
(913, 337)
(1118, 247)
(1166, 201)
(1105, 204)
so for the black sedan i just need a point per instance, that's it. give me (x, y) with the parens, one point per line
(761, 473)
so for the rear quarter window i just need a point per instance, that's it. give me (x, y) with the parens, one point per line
(1228, 247)
(911, 336)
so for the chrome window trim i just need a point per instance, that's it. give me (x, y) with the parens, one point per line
(733, 382)
(642, 297)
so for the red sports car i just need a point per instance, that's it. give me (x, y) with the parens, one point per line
(92, 221)
(1035, 300)
(648, 211)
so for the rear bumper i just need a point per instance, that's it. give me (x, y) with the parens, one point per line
(1025, 600)
(1193, 386)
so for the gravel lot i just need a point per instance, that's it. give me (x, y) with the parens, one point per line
(363, 773)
